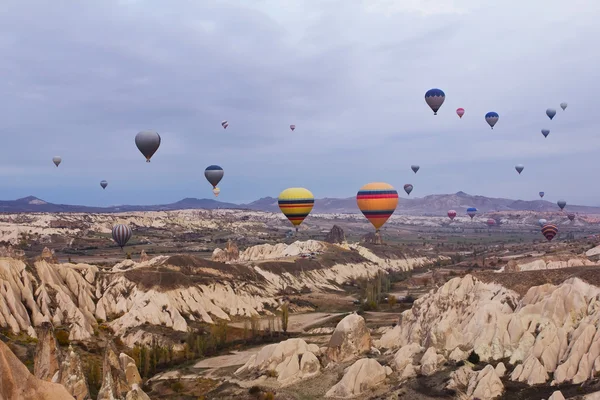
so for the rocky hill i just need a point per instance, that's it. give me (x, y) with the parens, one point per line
(436, 204)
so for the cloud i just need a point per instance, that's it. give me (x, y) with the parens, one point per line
(81, 79)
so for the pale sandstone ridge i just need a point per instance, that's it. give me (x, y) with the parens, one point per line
(363, 375)
(17, 383)
(547, 263)
(552, 333)
(482, 385)
(350, 339)
(290, 361)
(77, 295)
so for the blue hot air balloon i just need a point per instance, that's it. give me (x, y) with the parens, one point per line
(545, 132)
(542, 195)
(551, 112)
(434, 99)
(471, 211)
(491, 118)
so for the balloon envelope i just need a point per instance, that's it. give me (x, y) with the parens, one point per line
(224, 124)
(519, 168)
(296, 204)
(104, 184)
(377, 201)
(545, 132)
(471, 211)
(415, 168)
(56, 160)
(549, 231)
(121, 234)
(541, 194)
(451, 214)
(491, 222)
(491, 118)
(571, 216)
(551, 112)
(561, 204)
(408, 188)
(460, 112)
(563, 106)
(434, 99)
(542, 222)
(147, 143)
(292, 127)
(214, 174)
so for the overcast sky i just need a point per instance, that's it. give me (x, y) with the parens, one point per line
(79, 79)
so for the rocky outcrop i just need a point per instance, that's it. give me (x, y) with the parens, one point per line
(280, 250)
(363, 375)
(484, 384)
(72, 376)
(230, 253)
(350, 339)
(16, 382)
(119, 380)
(143, 256)
(47, 357)
(335, 235)
(290, 361)
(551, 333)
(547, 263)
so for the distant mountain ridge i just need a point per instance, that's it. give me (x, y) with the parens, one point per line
(435, 204)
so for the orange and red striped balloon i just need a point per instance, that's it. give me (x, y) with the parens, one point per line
(377, 201)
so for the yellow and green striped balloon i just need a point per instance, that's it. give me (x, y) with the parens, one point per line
(296, 204)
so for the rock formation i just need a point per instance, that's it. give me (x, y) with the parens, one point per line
(552, 333)
(17, 383)
(290, 361)
(335, 235)
(47, 357)
(143, 256)
(72, 376)
(363, 375)
(120, 378)
(231, 253)
(48, 255)
(350, 339)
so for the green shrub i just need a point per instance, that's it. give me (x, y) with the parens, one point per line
(62, 337)
(473, 358)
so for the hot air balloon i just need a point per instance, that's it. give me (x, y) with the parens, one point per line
(460, 112)
(542, 222)
(519, 168)
(292, 127)
(224, 124)
(377, 201)
(471, 211)
(296, 204)
(408, 188)
(563, 106)
(434, 99)
(216, 191)
(541, 194)
(121, 234)
(147, 143)
(415, 168)
(104, 184)
(56, 160)
(551, 112)
(491, 118)
(451, 214)
(549, 231)
(545, 132)
(571, 216)
(214, 174)
(490, 222)
(561, 204)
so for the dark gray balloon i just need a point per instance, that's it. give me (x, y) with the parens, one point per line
(104, 184)
(563, 106)
(561, 204)
(415, 168)
(147, 143)
(214, 174)
(519, 168)
(56, 160)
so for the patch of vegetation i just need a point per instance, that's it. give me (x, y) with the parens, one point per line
(473, 358)
(62, 337)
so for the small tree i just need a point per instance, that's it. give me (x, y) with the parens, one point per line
(128, 256)
(391, 300)
(285, 315)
